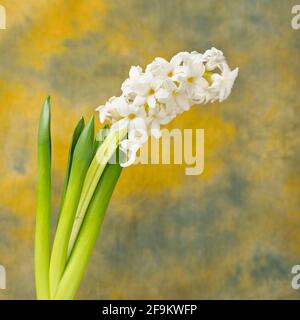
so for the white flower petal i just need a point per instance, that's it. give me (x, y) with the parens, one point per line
(151, 101)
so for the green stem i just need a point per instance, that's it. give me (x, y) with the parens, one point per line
(88, 233)
(43, 214)
(102, 156)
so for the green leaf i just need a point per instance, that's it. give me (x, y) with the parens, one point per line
(80, 162)
(96, 168)
(89, 231)
(43, 214)
(77, 131)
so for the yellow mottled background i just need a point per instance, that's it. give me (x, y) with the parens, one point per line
(234, 231)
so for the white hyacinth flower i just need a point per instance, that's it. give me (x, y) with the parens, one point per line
(132, 117)
(135, 73)
(148, 89)
(177, 101)
(159, 116)
(214, 58)
(192, 78)
(110, 111)
(164, 69)
(222, 83)
(167, 88)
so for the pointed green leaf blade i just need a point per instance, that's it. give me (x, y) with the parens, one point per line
(76, 134)
(43, 214)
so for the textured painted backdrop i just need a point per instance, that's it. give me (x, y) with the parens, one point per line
(234, 231)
